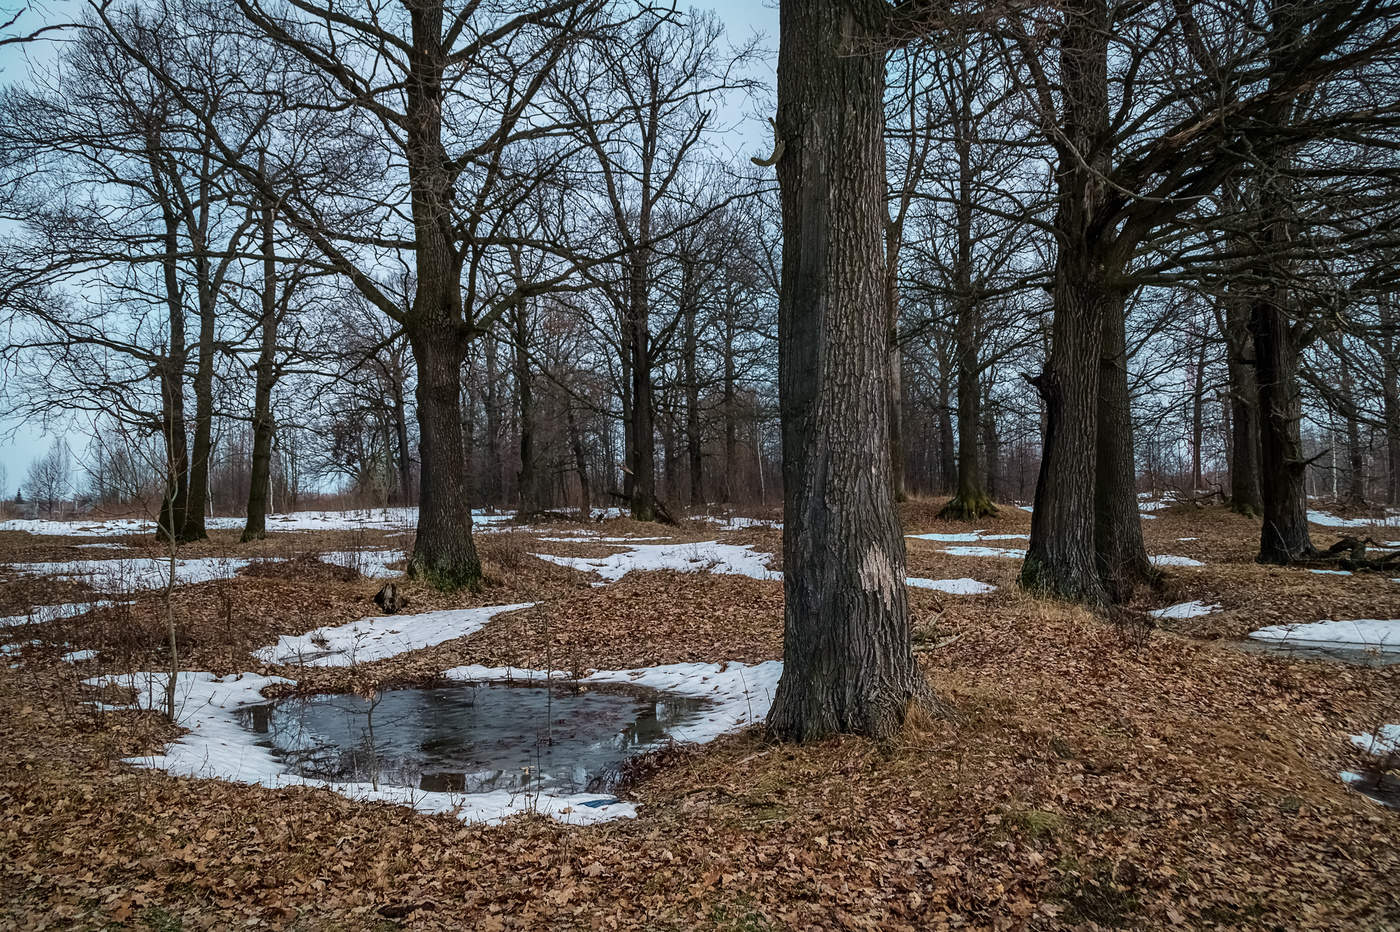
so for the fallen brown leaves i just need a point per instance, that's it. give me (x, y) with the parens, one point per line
(1085, 784)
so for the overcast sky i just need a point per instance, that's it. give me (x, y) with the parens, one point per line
(21, 443)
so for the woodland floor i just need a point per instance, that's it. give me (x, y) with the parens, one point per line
(1092, 773)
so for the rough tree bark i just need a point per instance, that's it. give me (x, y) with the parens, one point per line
(1061, 558)
(971, 500)
(849, 665)
(255, 528)
(1122, 555)
(1390, 396)
(1245, 496)
(443, 552)
(172, 390)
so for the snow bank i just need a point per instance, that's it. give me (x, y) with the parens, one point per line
(377, 637)
(963, 586)
(217, 746)
(1331, 572)
(1363, 632)
(1185, 610)
(710, 556)
(1167, 559)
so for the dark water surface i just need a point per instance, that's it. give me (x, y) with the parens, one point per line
(471, 738)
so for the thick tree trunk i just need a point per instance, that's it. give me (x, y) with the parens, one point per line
(848, 662)
(1062, 558)
(1245, 496)
(580, 461)
(693, 441)
(970, 501)
(193, 528)
(1356, 456)
(1122, 555)
(527, 481)
(643, 429)
(443, 553)
(1390, 396)
(1283, 467)
(171, 371)
(1198, 419)
(255, 528)
(492, 488)
(947, 458)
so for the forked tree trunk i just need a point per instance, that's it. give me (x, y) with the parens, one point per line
(848, 662)
(172, 395)
(1122, 555)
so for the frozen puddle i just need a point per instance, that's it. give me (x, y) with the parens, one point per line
(471, 738)
(709, 556)
(379, 636)
(230, 734)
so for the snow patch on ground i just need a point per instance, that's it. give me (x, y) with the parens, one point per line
(1167, 559)
(377, 637)
(140, 573)
(390, 519)
(1185, 610)
(710, 556)
(1383, 634)
(963, 586)
(1329, 520)
(78, 656)
(1331, 572)
(1382, 742)
(1006, 552)
(42, 614)
(967, 537)
(738, 522)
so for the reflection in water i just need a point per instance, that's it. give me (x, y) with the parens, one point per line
(470, 738)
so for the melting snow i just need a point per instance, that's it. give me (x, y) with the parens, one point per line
(1383, 742)
(138, 573)
(1185, 610)
(78, 656)
(1167, 559)
(1327, 520)
(377, 637)
(1331, 572)
(1364, 632)
(46, 613)
(985, 552)
(967, 537)
(710, 556)
(215, 745)
(963, 586)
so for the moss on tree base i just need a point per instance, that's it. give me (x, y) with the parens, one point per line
(968, 508)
